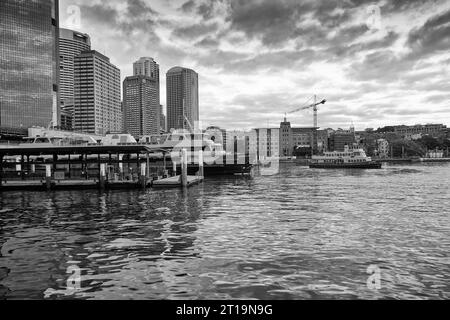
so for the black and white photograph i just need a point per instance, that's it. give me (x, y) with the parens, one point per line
(240, 152)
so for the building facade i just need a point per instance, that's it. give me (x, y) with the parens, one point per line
(298, 141)
(29, 63)
(182, 98)
(141, 108)
(97, 107)
(71, 44)
(286, 140)
(162, 119)
(409, 132)
(341, 138)
(146, 66)
(265, 143)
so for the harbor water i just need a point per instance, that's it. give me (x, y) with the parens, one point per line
(301, 234)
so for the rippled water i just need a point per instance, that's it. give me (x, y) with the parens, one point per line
(299, 235)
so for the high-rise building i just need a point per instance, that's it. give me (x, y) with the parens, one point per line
(182, 98)
(162, 119)
(141, 108)
(29, 63)
(97, 107)
(146, 66)
(71, 44)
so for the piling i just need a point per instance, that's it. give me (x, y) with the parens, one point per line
(183, 177)
(200, 164)
(143, 176)
(102, 178)
(48, 176)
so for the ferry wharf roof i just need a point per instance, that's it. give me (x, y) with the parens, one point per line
(65, 150)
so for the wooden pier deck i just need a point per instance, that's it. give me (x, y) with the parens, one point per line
(175, 181)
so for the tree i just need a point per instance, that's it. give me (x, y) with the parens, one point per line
(410, 148)
(429, 143)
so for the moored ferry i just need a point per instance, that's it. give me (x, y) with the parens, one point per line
(348, 159)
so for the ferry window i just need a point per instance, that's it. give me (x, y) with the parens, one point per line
(41, 140)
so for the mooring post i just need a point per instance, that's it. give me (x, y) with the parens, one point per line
(200, 164)
(174, 168)
(143, 175)
(120, 159)
(183, 177)
(1, 170)
(102, 178)
(147, 172)
(48, 176)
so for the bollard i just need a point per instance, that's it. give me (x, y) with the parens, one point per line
(48, 176)
(102, 176)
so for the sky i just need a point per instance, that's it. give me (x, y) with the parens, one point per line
(376, 63)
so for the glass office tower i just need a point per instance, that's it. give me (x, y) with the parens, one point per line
(29, 63)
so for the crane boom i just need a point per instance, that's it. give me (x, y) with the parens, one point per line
(308, 106)
(315, 124)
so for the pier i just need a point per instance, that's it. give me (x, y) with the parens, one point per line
(84, 167)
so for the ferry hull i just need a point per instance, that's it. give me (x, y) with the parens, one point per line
(369, 165)
(222, 170)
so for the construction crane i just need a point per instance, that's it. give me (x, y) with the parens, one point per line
(314, 106)
(315, 120)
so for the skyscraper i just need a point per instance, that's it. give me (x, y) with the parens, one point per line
(141, 109)
(71, 44)
(146, 66)
(97, 107)
(29, 63)
(182, 98)
(162, 119)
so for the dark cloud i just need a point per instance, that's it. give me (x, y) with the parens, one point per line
(188, 6)
(195, 31)
(432, 37)
(272, 21)
(208, 42)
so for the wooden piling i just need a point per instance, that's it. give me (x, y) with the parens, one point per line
(48, 176)
(143, 175)
(201, 172)
(102, 178)
(183, 177)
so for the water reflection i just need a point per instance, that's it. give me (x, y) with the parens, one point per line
(301, 234)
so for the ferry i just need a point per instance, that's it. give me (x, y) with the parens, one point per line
(354, 158)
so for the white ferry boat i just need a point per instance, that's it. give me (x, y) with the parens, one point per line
(354, 158)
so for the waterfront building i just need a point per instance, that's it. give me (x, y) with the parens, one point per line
(71, 44)
(341, 138)
(141, 107)
(411, 132)
(182, 98)
(30, 63)
(265, 142)
(286, 139)
(294, 139)
(97, 107)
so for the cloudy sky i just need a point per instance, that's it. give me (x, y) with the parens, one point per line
(376, 62)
